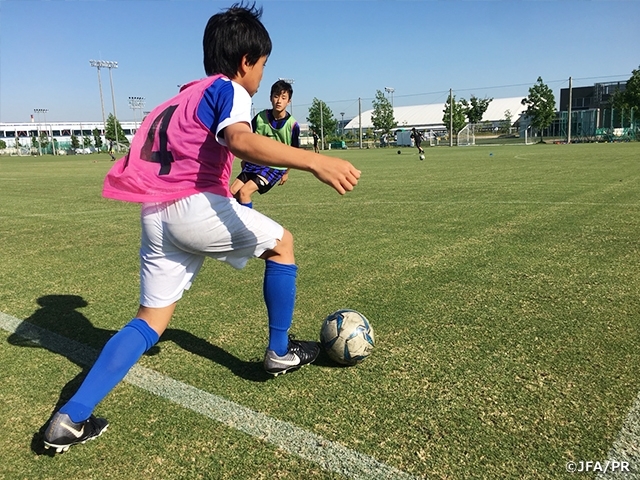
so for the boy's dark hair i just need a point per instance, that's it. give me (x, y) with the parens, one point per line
(232, 34)
(282, 86)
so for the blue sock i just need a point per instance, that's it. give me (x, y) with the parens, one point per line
(279, 290)
(248, 205)
(119, 354)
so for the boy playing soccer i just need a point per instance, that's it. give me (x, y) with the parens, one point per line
(417, 139)
(278, 124)
(178, 168)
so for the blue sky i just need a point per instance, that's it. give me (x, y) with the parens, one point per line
(337, 51)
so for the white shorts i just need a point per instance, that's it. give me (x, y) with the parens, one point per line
(178, 235)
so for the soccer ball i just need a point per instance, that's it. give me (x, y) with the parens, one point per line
(421, 157)
(347, 337)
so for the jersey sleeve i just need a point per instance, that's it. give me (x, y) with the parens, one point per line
(224, 103)
(295, 135)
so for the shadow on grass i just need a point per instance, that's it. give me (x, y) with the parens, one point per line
(58, 314)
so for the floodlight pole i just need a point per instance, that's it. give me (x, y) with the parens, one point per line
(110, 65)
(342, 123)
(97, 64)
(113, 101)
(290, 82)
(38, 111)
(390, 90)
(136, 102)
(44, 112)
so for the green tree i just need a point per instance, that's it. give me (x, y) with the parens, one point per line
(629, 98)
(458, 115)
(44, 140)
(75, 143)
(86, 141)
(110, 134)
(382, 116)
(34, 142)
(541, 106)
(322, 124)
(505, 125)
(3, 144)
(97, 139)
(474, 108)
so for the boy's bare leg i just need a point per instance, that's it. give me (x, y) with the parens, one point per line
(157, 318)
(235, 186)
(243, 195)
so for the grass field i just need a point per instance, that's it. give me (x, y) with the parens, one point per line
(502, 283)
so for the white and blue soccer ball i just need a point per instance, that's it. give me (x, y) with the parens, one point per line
(347, 337)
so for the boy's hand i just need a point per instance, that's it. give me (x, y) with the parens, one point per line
(337, 173)
(284, 178)
(245, 144)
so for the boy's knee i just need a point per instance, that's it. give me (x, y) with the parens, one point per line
(287, 239)
(283, 251)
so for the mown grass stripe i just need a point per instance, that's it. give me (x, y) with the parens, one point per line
(331, 456)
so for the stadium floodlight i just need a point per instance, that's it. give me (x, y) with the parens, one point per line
(136, 103)
(110, 65)
(390, 90)
(290, 81)
(38, 111)
(98, 64)
(44, 112)
(342, 122)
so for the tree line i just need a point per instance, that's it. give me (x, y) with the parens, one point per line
(540, 103)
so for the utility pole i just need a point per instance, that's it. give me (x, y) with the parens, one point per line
(360, 119)
(321, 126)
(451, 117)
(569, 112)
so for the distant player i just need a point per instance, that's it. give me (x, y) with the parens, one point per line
(278, 124)
(417, 139)
(178, 168)
(315, 142)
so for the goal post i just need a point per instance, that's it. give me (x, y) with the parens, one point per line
(466, 136)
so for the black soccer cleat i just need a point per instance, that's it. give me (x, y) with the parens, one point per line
(62, 432)
(299, 353)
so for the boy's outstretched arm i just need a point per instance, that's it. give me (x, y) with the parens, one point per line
(243, 143)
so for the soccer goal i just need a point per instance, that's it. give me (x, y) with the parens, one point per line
(466, 136)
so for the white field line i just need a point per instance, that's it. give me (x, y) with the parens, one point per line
(626, 448)
(331, 456)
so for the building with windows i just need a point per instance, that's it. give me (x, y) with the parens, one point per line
(593, 116)
(20, 136)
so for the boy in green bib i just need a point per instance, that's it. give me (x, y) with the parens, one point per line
(278, 124)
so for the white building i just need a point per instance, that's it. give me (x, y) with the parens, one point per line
(21, 134)
(429, 117)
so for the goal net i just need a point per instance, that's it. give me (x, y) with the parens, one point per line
(466, 136)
